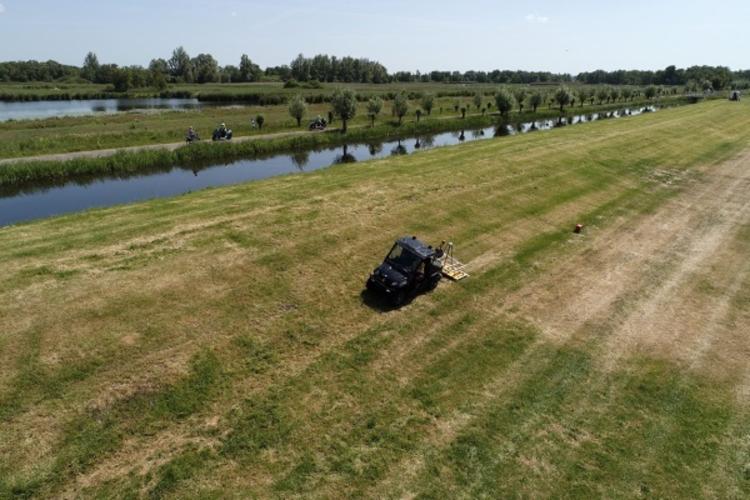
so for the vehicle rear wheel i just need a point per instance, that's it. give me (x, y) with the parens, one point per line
(399, 298)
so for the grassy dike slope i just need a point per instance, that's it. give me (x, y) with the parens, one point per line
(217, 342)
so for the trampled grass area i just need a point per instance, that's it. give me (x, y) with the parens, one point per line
(218, 343)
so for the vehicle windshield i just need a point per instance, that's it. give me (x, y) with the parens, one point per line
(403, 258)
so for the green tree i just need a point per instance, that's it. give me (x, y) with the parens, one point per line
(562, 97)
(627, 93)
(90, 67)
(205, 68)
(463, 112)
(158, 81)
(535, 100)
(650, 92)
(260, 120)
(106, 73)
(300, 68)
(520, 96)
(614, 94)
(121, 79)
(297, 108)
(503, 101)
(157, 73)
(374, 107)
(582, 94)
(418, 114)
(401, 106)
(249, 71)
(478, 100)
(344, 105)
(602, 94)
(180, 66)
(229, 74)
(428, 102)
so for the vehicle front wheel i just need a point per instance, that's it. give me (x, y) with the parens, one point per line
(399, 298)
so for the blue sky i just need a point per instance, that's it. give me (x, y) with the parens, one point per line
(561, 36)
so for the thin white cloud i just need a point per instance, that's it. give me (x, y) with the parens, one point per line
(535, 19)
(234, 14)
(2, 8)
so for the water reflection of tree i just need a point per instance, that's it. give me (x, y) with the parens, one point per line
(476, 134)
(301, 159)
(428, 141)
(399, 150)
(345, 157)
(375, 148)
(502, 130)
(462, 136)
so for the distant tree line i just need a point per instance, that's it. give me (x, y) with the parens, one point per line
(203, 68)
(324, 68)
(720, 77)
(496, 76)
(36, 71)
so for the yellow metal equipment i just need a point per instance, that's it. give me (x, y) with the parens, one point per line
(452, 267)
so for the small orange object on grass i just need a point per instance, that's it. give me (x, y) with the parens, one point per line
(578, 229)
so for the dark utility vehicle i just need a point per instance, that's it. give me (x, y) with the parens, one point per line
(410, 267)
(318, 124)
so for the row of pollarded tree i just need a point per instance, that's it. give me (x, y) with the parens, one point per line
(344, 101)
(505, 98)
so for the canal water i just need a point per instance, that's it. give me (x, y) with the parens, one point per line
(50, 109)
(30, 202)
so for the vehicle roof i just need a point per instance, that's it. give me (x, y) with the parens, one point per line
(418, 247)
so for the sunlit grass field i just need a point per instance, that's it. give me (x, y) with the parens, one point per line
(218, 344)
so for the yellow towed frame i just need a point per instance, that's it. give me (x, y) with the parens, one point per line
(452, 267)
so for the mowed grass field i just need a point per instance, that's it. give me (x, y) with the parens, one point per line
(218, 344)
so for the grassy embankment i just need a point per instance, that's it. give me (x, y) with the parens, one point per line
(205, 153)
(69, 134)
(217, 343)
